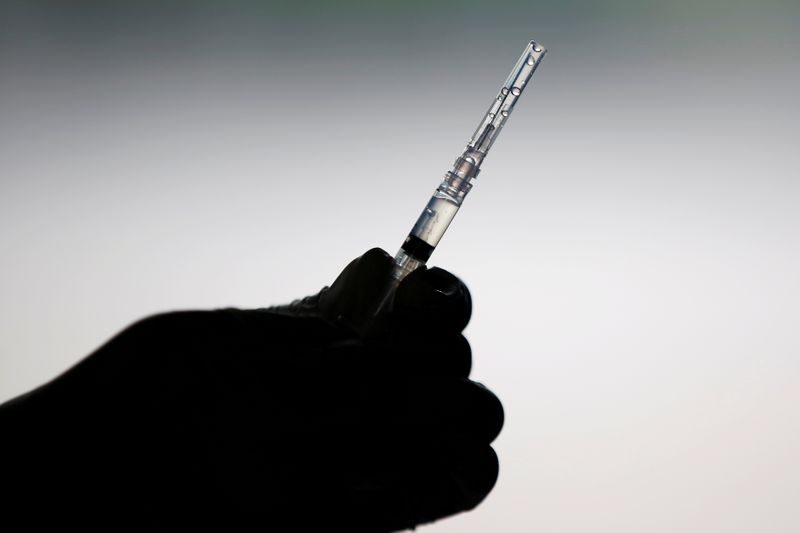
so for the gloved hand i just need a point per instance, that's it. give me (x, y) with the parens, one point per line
(311, 416)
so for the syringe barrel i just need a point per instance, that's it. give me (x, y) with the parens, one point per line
(458, 181)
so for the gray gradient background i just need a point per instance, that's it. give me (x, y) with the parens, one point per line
(632, 243)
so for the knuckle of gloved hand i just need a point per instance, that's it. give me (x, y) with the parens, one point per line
(434, 294)
(489, 410)
(447, 356)
(456, 408)
(433, 355)
(476, 470)
(482, 415)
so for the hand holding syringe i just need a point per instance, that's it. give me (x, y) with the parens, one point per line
(447, 198)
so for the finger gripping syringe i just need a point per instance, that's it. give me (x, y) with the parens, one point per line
(458, 181)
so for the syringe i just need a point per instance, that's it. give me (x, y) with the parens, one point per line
(458, 181)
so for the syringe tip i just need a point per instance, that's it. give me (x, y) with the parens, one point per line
(537, 47)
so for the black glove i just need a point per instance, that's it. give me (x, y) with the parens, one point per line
(311, 416)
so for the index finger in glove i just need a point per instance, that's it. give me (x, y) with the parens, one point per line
(353, 298)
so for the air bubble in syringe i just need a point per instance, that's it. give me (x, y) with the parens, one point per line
(515, 91)
(531, 61)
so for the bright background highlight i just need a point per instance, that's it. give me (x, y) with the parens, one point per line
(632, 243)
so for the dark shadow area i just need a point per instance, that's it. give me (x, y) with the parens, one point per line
(311, 416)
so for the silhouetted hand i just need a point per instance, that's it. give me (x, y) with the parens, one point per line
(311, 416)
